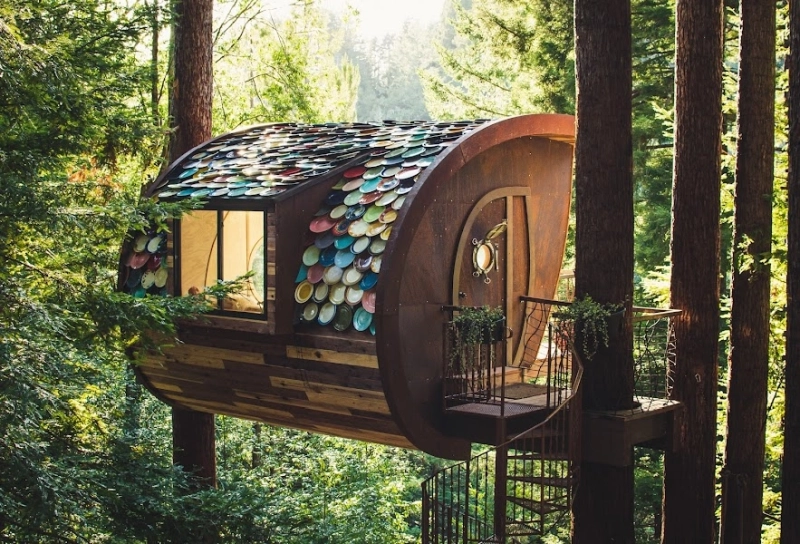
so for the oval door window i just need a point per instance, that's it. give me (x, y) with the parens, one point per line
(484, 254)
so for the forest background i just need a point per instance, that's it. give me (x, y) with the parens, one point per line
(85, 453)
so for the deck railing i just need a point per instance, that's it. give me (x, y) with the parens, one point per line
(471, 372)
(653, 352)
(523, 486)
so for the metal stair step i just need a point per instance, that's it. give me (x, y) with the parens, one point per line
(536, 506)
(543, 480)
(540, 456)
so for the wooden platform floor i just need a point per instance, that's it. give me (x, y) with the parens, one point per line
(495, 410)
(522, 399)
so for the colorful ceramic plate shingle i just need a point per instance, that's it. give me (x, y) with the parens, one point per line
(344, 318)
(315, 273)
(373, 213)
(303, 292)
(358, 228)
(327, 256)
(310, 311)
(368, 301)
(343, 258)
(333, 274)
(321, 224)
(387, 198)
(324, 240)
(362, 319)
(353, 295)
(320, 292)
(338, 212)
(337, 292)
(360, 245)
(343, 242)
(351, 276)
(311, 255)
(363, 262)
(368, 281)
(162, 274)
(326, 313)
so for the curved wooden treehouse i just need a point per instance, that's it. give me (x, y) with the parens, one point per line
(399, 278)
(363, 241)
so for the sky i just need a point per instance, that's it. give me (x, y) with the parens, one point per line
(380, 17)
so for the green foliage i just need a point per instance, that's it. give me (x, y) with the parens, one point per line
(506, 58)
(479, 325)
(390, 86)
(269, 70)
(85, 453)
(588, 323)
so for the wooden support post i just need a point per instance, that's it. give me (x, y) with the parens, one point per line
(194, 445)
(500, 482)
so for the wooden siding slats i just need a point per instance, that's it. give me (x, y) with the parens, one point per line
(189, 353)
(167, 386)
(329, 356)
(301, 386)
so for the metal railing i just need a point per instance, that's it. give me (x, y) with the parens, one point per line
(471, 373)
(523, 486)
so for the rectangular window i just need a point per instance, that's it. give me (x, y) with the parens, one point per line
(224, 245)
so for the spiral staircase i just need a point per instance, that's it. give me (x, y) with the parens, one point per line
(521, 488)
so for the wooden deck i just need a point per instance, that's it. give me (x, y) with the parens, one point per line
(609, 436)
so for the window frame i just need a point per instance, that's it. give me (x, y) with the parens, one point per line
(220, 212)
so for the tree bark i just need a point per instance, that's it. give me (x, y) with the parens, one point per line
(193, 441)
(748, 363)
(689, 494)
(192, 84)
(603, 506)
(790, 478)
(194, 446)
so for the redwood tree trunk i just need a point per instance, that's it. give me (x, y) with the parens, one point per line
(790, 483)
(190, 107)
(192, 83)
(603, 507)
(748, 364)
(689, 495)
(193, 444)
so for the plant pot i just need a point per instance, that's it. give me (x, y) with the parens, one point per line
(495, 333)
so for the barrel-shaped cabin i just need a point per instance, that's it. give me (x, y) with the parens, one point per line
(358, 239)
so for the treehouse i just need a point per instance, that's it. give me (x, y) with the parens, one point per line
(361, 242)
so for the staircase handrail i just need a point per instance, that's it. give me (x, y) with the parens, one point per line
(575, 389)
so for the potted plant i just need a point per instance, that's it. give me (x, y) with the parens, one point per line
(591, 323)
(473, 327)
(480, 325)
(474, 332)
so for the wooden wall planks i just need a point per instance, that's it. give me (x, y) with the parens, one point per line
(303, 387)
(386, 388)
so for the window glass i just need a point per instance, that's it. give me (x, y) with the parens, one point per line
(242, 252)
(198, 251)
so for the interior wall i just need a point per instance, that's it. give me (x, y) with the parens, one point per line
(198, 251)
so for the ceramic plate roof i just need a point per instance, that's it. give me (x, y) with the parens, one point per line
(268, 160)
(358, 213)
(335, 283)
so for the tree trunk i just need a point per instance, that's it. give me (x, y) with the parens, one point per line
(689, 494)
(190, 108)
(790, 479)
(603, 507)
(748, 364)
(193, 444)
(155, 95)
(192, 84)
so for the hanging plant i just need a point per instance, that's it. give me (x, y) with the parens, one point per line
(589, 322)
(474, 327)
(480, 325)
